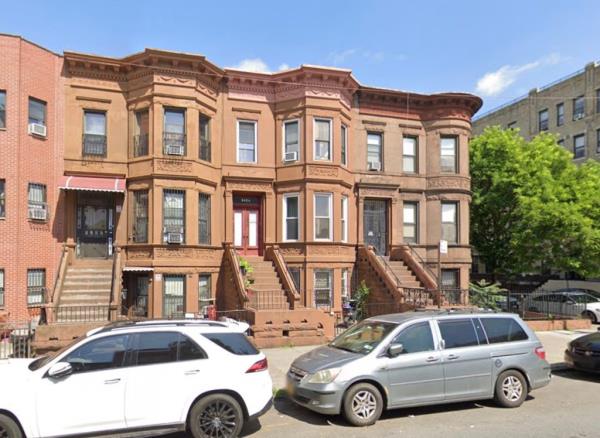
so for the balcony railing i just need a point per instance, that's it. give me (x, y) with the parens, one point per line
(174, 144)
(140, 145)
(94, 145)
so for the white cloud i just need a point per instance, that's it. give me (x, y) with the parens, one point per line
(495, 82)
(340, 57)
(344, 56)
(257, 65)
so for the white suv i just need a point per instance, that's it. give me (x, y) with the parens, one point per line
(145, 378)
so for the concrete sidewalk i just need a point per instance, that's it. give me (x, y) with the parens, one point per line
(554, 343)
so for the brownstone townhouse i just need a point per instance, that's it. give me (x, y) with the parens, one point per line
(188, 188)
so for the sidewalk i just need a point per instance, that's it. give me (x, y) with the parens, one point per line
(554, 343)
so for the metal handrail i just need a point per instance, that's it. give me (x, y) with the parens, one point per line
(417, 256)
(388, 268)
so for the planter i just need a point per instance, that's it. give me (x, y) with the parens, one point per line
(243, 270)
(559, 324)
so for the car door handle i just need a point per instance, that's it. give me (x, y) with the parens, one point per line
(191, 372)
(452, 357)
(432, 359)
(111, 381)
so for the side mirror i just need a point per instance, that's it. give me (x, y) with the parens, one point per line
(395, 350)
(60, 369)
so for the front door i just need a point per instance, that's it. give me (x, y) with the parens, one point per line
(95, 222)
(247, 225)
(375, 224)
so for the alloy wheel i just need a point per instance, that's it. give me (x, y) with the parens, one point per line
(3, 432)
(364, 404)
(512, 388)
(218, 419)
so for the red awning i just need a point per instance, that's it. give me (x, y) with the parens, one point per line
(92, 184)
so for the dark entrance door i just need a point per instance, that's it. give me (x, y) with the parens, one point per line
(95, 219)
(247, 225)
(375, 224)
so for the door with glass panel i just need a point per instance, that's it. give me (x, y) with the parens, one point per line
(95, 223)
(375, 224)
(247, 225)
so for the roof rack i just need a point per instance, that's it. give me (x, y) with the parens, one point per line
(160, 322)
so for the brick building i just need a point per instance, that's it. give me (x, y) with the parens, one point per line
(31, 164)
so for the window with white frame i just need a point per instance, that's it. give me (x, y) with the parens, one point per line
(409, 154)
(448, 161)
(291, 206)
(173, 295)
(578, 108)
(205, 139)
(344, 218)
(323, 216)
(246, 145)
(36, 285)
(174, 132)
(296, 274)
(345, 284)
(2, 109)
(374, 141)
(204, 219)
(291, 140)
(579, 146)
(37, 111)
(1, 287)
(322, 137)
(344, 145)
(36, 200)
(450, 222)
(410, 219)
(204, 292)
(323, 289)
(174, 215)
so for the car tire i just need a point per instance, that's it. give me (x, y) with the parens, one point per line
(363, 404)
(511, 389)
(216, 415)
(591, 316)
(9, 428)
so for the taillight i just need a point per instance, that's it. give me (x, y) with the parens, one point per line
(261, 365)
(541, 353)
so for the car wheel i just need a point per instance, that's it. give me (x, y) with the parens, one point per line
(511, 389)
(9, 428)
(216, 415)
(591, 316)
(363, 404)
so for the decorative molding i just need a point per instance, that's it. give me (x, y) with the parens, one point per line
(93, 99)
(373, 122)
(449, 183)
(173, 165)
(323, 170)
(246, 110)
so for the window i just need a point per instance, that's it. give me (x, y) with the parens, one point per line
(189, 350)
(597, 151)
(410, 218)
(579, 146)
(94, 133)
(173, 295)
(323, 288)
(374, 141)
(37, 201)
(578, 108)
(458, 333)
(295, 273)
(323, 219)
(291, 217)
(450, 278)
(560, 114)
(36, 285)
(322, 135)
(204, 291)
(155, 348)
(99, 354)
(142, 128)
(598, 101)
(344, 218)
(173, 214)
(246, 149)
(174, 131)
(512, 125)
(415, 338)
(409, 154)
(450, 222)
(37, 111)
(503, 330)
(2, 199)
(561, 142)
(2, 109)
(344, 145)
(205, 140)
(448, 162)
(140, 214)
(235, 343)
(543, 120)
(204, 219)
(345, 284)
(1, 287)
(291, 140)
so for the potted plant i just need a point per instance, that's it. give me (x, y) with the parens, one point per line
(245, 267)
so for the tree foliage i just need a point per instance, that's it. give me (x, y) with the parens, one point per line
(532, 205)
(487, 295)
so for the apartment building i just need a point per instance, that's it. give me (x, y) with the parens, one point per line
(31, 163)
(179, 175)
(568, 107)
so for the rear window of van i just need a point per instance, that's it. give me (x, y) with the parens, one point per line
(235, 343)
(503, 330)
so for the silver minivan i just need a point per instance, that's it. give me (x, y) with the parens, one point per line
(420, 358)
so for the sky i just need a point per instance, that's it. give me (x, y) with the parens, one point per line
(496, 49)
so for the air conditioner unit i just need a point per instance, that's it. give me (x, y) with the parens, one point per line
(579, 116)
(375, 165)
(175, 149)
(38, 214)
(291, 156)
(37, 129)
(175, 238)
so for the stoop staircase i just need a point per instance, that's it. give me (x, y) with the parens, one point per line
(266, 293)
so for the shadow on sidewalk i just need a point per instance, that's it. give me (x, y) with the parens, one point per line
(577, 375)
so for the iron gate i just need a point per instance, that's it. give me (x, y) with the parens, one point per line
(375, 224)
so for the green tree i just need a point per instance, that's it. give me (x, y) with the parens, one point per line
(532, 205)
(487, 295)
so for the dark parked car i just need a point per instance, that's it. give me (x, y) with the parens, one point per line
(584, 353)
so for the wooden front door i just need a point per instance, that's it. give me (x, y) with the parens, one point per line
(247, 236)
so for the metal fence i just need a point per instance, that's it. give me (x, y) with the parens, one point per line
(16, 339)
(75, 314)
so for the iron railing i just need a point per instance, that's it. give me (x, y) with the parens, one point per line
(415, 254)
(67, 314)
(140, 145)
(36, 295)
(173, 306)
(94, 145)
(388, 270)
(275, 299)
(16, 339)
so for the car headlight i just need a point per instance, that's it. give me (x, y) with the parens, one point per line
(323, 376)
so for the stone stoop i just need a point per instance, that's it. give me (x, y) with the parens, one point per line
(266, 293)
(55, 336)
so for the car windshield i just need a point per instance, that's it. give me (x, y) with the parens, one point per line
(46, 358)
(584, 298)
(363, 337)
